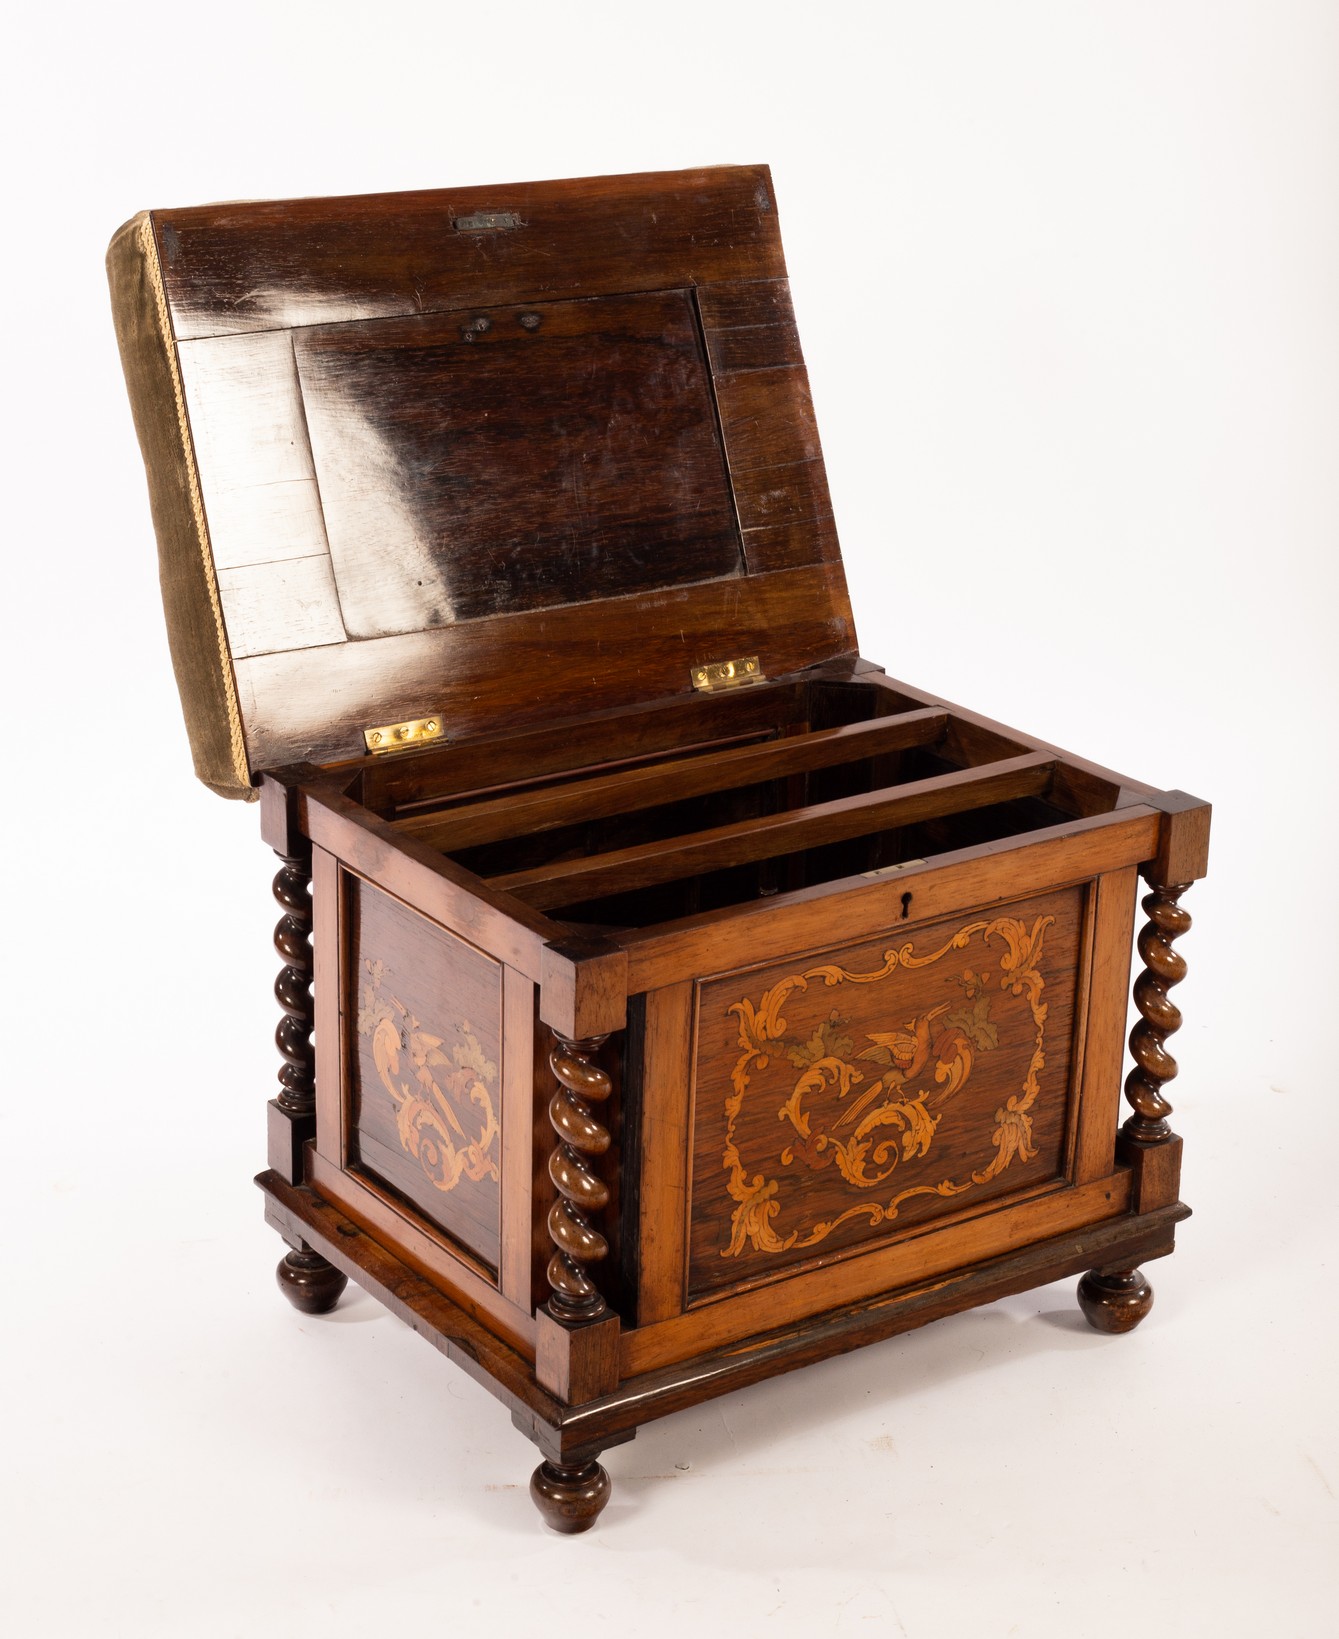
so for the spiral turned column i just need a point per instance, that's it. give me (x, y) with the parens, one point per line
(1116, 1300)
(292, 989)
(576, 1343)
(1164, 967)
(307, 1280)
(573, 1295)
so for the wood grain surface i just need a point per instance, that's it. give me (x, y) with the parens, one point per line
(496, 460)
(850, 1096)
(426, 1058)
(425, 425)
(565, 882)
(277, 264)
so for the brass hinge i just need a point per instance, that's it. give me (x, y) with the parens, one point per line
(727, 674)
(396, 736)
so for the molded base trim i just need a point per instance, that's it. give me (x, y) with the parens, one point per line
(576, 1434)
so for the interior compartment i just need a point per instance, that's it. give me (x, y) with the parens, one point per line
(874, 855)
(721, 801)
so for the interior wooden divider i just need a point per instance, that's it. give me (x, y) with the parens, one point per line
(565, 882)
(425, 780)
(672, 779)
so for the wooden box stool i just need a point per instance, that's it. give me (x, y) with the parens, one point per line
(668, 998)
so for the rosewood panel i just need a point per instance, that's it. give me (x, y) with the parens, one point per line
(425, 1061)
(282, 606)
(495, 460)
(790, 545)
(846, 1097)
(564, 662)
(280, 263)
(607, 741)
(754, 347)
(767, 417)
(746, 305)
(487, 409)
(772, 499)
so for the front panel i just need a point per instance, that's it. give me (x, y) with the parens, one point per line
(842, 1099)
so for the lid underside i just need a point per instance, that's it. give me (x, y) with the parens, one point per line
(498, 454)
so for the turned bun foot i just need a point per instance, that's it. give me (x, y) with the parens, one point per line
(570, 1499)
(1116, 1301)
(309, 1282)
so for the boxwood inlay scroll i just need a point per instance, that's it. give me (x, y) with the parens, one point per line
(880, 1085)
(425, 1058)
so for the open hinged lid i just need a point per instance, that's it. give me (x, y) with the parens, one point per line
(488, 457)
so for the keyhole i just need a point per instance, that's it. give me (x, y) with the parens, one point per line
(906, 905)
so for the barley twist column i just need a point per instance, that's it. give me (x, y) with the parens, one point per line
(1116, 1300)
(1163, 967)
(292, 989)
(306, 1279)
(570, 1494)
(582, 1139)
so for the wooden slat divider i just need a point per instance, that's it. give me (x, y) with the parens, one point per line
(565, 882)
(670, 780)
(422, 781)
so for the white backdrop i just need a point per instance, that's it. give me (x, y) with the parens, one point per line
(1068, 281)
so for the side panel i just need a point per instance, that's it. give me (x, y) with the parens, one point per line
(424, 1042)
(424, 1075)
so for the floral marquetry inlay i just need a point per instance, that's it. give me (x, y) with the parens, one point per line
(441, 1088)
(860, 1086)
